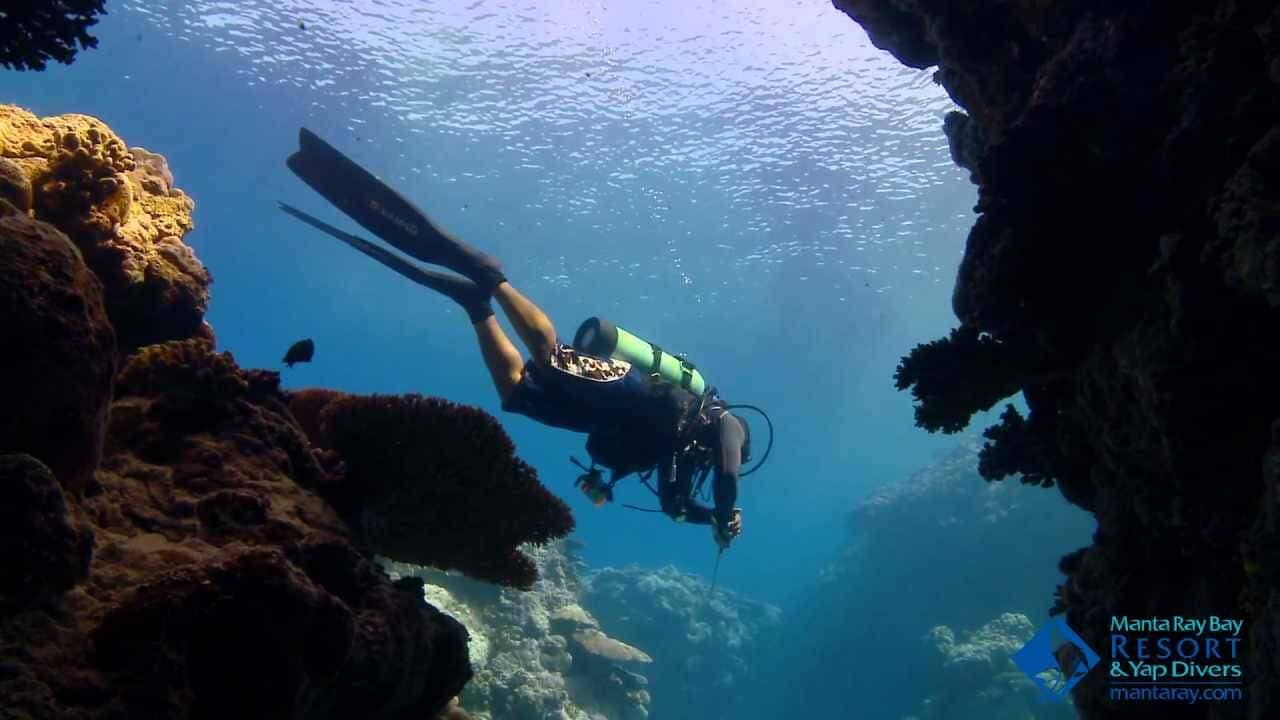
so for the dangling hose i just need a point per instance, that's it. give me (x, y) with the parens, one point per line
(768, 448)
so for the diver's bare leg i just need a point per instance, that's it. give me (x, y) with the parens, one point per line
(531, 324)
(506, 367)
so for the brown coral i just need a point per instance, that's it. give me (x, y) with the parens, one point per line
(221, 587)
(46, 550)
(121, 212)
(57, 364)
(435, 483)
(15, 186)
(1127, 251)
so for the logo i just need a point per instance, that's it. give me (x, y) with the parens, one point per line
(1055, 659)
(399, 222)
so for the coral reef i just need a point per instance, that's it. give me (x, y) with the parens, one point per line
(123, 213)
(1014, 449)
(938, 548)
(1126, 254)
(52, 316)
(33, 33)
(430, 482)
(950, 392)
(973, 676)
(538, 654)
(706, 647)
(170, 551)
(47, 551)
(220, 587)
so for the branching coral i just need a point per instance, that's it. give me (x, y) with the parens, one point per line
(1014, 449)
(957, 376)
(33, 33)
(435, 483)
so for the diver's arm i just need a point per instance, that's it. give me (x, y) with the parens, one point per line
(728, 465)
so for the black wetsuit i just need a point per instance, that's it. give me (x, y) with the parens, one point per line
(633, 426)
(725, 436)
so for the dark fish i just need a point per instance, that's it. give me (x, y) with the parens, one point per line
(301, 351)
(302, 25)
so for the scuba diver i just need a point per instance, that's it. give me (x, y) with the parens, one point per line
(644, 410)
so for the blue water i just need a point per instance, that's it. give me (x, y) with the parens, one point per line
(748, 182)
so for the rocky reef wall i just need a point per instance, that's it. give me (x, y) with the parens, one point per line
(1122, 275)
(176, 544)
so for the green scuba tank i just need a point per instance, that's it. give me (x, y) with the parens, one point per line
(602, 338)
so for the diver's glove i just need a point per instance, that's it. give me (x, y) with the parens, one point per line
(723, 537)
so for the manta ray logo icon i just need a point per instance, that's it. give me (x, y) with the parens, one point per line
(1055, 659)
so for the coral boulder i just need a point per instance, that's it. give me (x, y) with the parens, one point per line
(123, 213)
(58, 360)
(47, 551)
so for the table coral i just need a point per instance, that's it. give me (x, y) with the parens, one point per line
(434, 483)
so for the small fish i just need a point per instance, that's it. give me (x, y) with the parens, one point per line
(302, 25)
(301, 351)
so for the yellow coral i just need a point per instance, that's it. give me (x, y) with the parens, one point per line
(23, 135)
(121, 210)
(83, 188)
